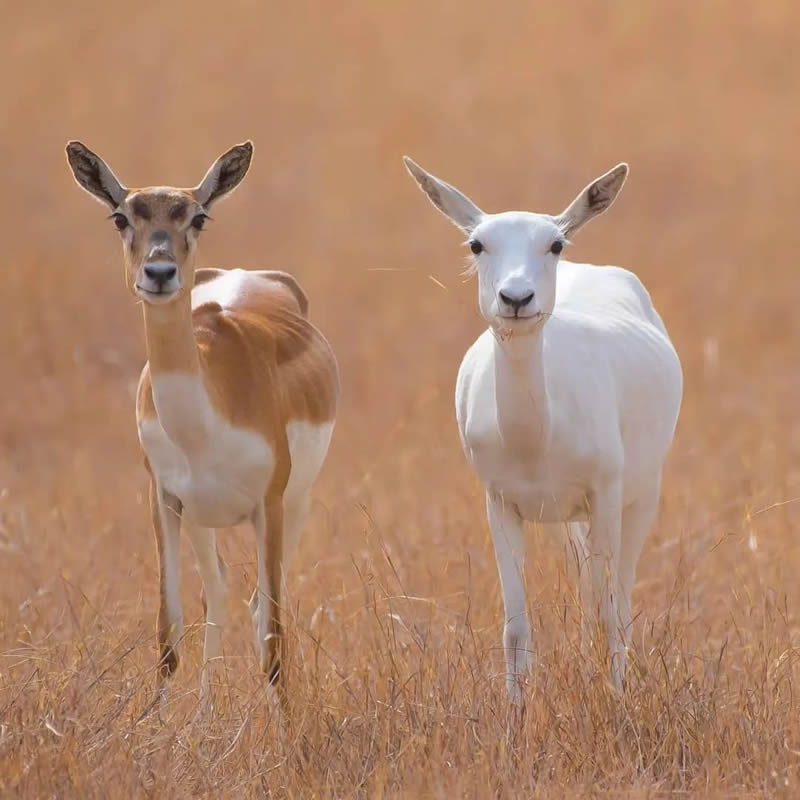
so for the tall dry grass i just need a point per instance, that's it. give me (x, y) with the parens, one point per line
(395, 614)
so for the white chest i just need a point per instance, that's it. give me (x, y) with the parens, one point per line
(218, 484)
(524, 473)
(218, 472)
(519, 451)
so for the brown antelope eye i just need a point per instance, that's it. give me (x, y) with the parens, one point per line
(556, 247)
(476, 247)
(120, 220)
(198, 221)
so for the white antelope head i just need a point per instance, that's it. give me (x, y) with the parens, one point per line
(516, 253)
(159, 225)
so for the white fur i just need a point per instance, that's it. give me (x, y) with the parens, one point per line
(204, 544)
(308, 446)
(226, 289)
(221, 483)
(171, 566)
(221, 474)
(566, 411)
(217, 471)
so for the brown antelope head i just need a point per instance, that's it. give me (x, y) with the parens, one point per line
(159, 225)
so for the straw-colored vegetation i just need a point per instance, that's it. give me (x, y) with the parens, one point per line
(394, 607)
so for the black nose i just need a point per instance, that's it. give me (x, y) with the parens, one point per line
(160, 273)
(516, 302)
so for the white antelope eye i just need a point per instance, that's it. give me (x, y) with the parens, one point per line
(556, 247)
(476, 247)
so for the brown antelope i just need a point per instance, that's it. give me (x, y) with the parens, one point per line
(236, 403)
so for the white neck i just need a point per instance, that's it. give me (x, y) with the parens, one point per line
(521, 394)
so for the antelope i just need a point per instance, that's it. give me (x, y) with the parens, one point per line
(235, 407)
(566, 407)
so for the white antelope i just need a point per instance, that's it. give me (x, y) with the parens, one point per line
(236, 403)
(566, 405)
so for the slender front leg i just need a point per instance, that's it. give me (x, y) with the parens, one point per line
(166, 512)
(212, 572)
(509, 548)
(265, 602)
(296, 512)
(579, 569)
(604, 550)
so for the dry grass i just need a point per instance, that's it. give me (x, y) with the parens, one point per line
(395, 607)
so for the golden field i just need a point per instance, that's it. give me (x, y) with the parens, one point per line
(394, 604)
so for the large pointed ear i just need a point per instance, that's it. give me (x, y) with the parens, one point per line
(457, 207)
(593, 200)
(94, 175)
(225, 174)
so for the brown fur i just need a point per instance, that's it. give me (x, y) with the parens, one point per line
(168, 655)
(149, 212)
(262, 362)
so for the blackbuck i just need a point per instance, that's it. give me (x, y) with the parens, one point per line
(235, 406)
(566, 406)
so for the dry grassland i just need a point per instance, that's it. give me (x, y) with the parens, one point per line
(396, 616)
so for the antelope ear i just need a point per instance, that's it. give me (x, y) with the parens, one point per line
(224, 175)
(457, 207)
(94, 175)
(593, 200)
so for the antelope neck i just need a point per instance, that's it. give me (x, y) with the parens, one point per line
(520, 382)
(180, 395)
(169, 332)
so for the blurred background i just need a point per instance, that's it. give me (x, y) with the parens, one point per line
(519, 105)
